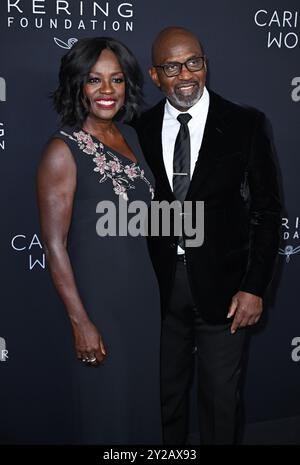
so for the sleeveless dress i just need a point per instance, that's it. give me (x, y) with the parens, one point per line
(117, 402)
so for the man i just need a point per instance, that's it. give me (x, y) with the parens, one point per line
(219, 153)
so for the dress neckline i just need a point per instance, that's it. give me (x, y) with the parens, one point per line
(111, 148)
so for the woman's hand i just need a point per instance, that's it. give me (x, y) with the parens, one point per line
(88, 343)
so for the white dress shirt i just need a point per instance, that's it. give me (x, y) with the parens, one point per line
(170, 129)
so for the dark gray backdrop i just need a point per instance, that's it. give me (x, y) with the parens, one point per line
(34, 402)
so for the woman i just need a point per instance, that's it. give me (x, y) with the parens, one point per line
(107, 283)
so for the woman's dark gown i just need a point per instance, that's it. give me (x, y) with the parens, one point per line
(117, 402)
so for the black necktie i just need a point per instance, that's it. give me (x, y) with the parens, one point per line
(182, 158)
(182, 162)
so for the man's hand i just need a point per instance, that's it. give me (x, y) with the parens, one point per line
(247, 309)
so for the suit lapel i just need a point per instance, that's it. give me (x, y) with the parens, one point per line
(213, 143)
(158, 165)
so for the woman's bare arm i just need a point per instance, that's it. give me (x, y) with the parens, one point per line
(56, 184)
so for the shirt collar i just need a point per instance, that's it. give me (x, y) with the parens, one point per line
(195, 111)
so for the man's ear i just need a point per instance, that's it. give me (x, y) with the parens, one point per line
(154, 76)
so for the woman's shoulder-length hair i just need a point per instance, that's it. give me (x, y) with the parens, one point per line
(75, 66)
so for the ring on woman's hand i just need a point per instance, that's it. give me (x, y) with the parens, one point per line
(91, 360)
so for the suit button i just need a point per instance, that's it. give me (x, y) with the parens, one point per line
(172, 245)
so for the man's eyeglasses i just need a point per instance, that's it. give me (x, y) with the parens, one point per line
(174, 68)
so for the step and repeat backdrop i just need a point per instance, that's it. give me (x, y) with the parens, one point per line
(253, 51)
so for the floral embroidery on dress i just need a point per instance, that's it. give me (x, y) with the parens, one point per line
(109, 165)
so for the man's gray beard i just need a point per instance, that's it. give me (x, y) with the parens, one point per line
(186, 101)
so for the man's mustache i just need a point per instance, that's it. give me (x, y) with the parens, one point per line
(186, 84)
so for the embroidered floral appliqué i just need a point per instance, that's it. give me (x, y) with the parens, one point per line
(109, 165)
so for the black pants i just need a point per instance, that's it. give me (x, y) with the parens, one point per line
(219, 357)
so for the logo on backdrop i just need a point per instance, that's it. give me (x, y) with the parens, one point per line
(281, 27)
(2, 136)
(66, 45)
(290, 228)
(296, 89)
(2, 90)
(100, 16)
(295, 354)
(32, 247)
(3, 350)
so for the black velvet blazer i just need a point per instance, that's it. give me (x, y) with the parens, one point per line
(235, 176)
